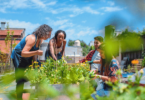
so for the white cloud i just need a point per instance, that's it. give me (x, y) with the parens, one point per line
(87, 31)
(111, 9)
(39, 3)
(51, 3)
(68, 26)
(23, 4)
(90, 10)
(111, 3)
(78, 11)
(15, 4)
(45, 6)
(2, 10)
(57, 22)
(74, 10)
(70, 33)
(30, 27)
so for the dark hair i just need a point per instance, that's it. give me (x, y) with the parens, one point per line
(59, 31)
(102, 47)
(42, 30)
(99, 38)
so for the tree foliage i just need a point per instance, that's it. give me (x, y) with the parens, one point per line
(71, 43)
(130, 40)
(5, 58)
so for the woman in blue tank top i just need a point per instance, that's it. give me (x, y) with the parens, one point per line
(26, 51)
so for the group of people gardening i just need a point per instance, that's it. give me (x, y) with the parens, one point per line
(27, 50)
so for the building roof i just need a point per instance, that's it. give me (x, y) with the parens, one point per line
(3, 46)
(17, 31)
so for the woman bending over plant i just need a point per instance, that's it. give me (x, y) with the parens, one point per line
(56, 46)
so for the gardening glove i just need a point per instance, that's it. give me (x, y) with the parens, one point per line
(90, 62)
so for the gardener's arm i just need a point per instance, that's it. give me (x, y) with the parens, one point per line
(63, 48)
(51, 43)
(107, 78)
(30, 42)
(101, 67)
(35, 58)
(86, 58)
(97, 61)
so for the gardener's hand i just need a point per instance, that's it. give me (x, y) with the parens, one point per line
(90, 62)
(39, 52)
(77, 62)
(64, 41)
(98, 76)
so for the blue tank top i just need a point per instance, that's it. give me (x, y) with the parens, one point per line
(21, 45)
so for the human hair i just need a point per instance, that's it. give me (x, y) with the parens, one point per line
(42, 30)
(99, 38)
(59, 31)
(102, 47)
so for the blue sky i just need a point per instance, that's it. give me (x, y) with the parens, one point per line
(80, 19)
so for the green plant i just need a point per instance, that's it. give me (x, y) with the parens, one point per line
(143, 62)
(57, 72)
(5, 57)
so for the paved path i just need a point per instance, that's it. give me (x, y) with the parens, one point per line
(12, 86)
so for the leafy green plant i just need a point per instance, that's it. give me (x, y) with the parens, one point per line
(57, 72)
(143, 62)
(122, 91)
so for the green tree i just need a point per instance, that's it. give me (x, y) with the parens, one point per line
(92, 48)
(85, 48)
(130, 40)
(71, 42)
(5, 58)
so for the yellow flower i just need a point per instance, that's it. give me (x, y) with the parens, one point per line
(37, 66)
(86, 61)
(30, 66)
(41, 67)
(35, 62)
